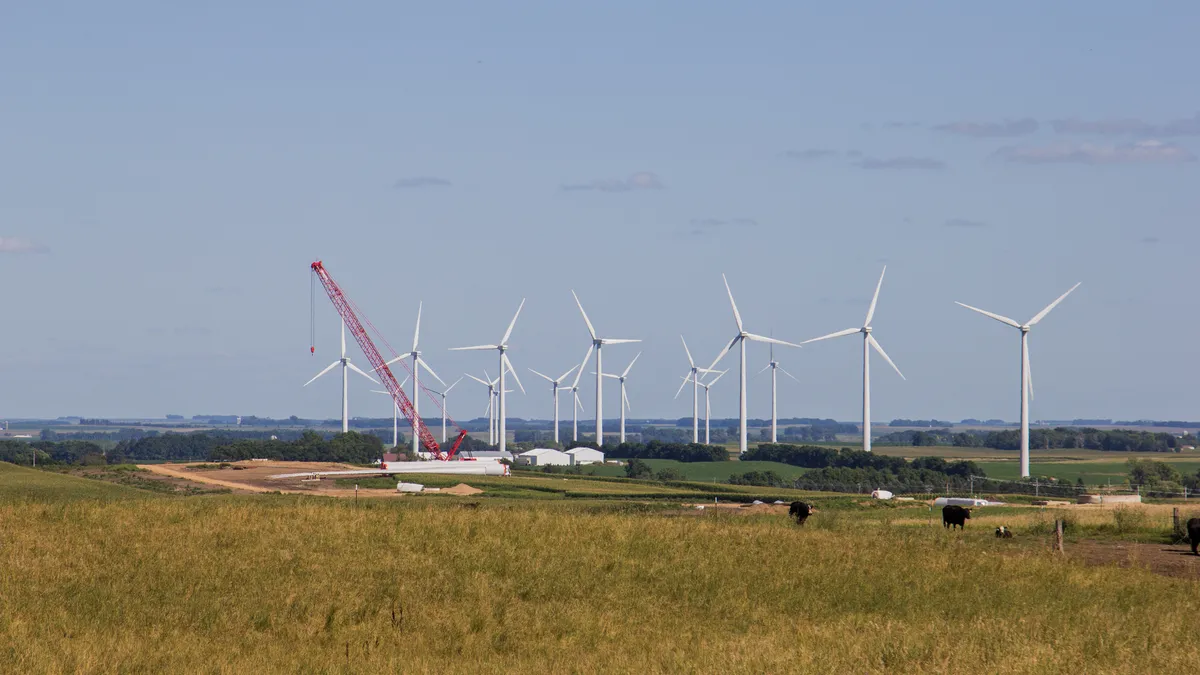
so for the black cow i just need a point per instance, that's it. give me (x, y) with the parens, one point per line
(800, 511)
(1194, 534)
(1003, 532)
(955, 515)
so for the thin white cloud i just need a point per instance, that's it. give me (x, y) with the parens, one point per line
(421, 182)
(1141, 152)
(20, 245)
(1005, 129)
(642, 180)
(1187, 126)
(901, 163)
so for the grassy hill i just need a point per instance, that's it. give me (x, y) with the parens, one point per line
(19, 483)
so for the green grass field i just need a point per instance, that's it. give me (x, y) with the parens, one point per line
(134, 582)
(18, 483)
(709, 471)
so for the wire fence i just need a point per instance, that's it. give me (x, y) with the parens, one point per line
(974, 486)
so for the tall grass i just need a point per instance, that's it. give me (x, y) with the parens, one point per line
(296, 584)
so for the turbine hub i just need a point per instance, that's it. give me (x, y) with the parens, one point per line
(1025, 329)
(866, 329)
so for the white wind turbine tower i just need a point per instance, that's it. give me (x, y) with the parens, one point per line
(597, 343)
(344, 362)
(774, 366)
(443, 394)
(1026, 375)
(417, 364)
(395, 413)
(869, 342)
(707, 406)
(624, 403)
(695, 380)
(554, 384)
(740, 340)
(505, 365)
(577, 406)
(491, 410)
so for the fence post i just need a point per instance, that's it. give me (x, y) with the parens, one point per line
(1175, 524)
(1058, 538)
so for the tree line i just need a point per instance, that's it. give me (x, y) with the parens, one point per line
(1115, 440)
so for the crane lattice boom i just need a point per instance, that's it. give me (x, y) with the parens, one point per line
(344, 308)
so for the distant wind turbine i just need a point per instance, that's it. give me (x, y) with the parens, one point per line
(443, 394)
(577, 406)
(395, 413)
(598, 342)
(707, 406)
(1026, 375)
(774, 366)
(694, 371)
(740, 340)
(491, 386)
(417, 364)
(554, 384)
(624, 403)
(869, 342)
(344, 362)
(505, 366)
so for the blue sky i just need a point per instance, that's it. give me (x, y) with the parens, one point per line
(168, 173)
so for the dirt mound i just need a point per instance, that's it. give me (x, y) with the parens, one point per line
(462, 490)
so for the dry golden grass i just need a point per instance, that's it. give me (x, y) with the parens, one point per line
(294, 584)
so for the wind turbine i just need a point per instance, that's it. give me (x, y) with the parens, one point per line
(598, 342)
(575, 394)
(505, 365)
(707, 407)
(417, 364)
(740, 340)
(346, 366)
(491, 385)
(395, 413)
(869, 341)
(1026, 375)
(694, 371)
(624, 398)
(443, 395)
(774, 366)
(554, 383)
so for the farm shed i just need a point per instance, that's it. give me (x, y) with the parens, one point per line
(544, 457)
(581, 456)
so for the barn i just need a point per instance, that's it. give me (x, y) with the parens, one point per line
(581, 456)
(544, 457)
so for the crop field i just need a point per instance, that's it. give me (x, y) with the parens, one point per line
(104, 578)
(708, 471)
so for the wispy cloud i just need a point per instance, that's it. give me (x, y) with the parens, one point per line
(699, 226)
(809, 154)
(901, 163)
(1141, 152)
(965, 223)
(1005, 129)
(421, 182)
(1188, 126)
(20, 245)
(1149, 240)
(901, 125)
(642, 180)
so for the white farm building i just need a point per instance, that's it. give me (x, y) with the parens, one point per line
(580, 456)
(544, 457)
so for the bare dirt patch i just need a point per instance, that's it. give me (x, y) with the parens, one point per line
(1165, 559)
(462, 489)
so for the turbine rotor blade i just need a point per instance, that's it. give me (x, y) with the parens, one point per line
(417, 332)
(421, 362)
(616, 341)
(789, 375)
(630, 365)
(763, 370)
(840, 333)
(760, 338)
(875, 344)
(689, 352)
(564, 375)
(626, 398)
(874, 300)
(513, 371)
(714, 380)
(1042, 314)
(327, 369)
(737, 316)
(686, 379)
(1028, 371)
(388, 363)
(544, 377)
(451, 387)
(586, 320)
(1001, 319)
(724, 351)
(512, 323)
(358, 370)
(474, 349)
(484, 383)
(583, 365)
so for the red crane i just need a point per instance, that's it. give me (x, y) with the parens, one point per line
(345, 307)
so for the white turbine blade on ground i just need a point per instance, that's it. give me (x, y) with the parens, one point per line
(484, 383)
(358, 370)
(421, 362)
(586, 357)
(451, 386)
(840, 333)
(875, 344)
(689, 352)
(1042, 314)
(544, 377)
(875, 300)
(760, 338)
(1028, 371)
(474, 349)
(513, 371)
(737, 316)
(328, 368)
(417, 332)
(564, 375)
(1001, 319)
(630, 365)
(512, 323)
(585, 316)
(789, 374)
(724, 352)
